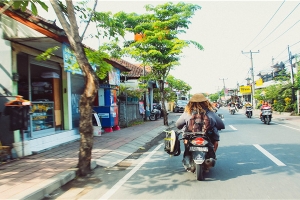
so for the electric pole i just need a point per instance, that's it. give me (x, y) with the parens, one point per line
(252, 73)
(224, 87)
(292, 74)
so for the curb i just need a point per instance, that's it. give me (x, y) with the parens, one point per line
(48, 186)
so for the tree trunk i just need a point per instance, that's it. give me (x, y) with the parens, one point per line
(86, 108)
(91, 86)
(162, 95)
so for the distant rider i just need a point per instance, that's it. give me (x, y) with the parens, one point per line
(232, 104)
(247, 104)
(263, 106)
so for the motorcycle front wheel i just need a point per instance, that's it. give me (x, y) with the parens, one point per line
(199, 172)
(152, 117)
(249, 115)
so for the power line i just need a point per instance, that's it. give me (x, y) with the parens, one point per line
(278, 25)
(266, 24)
(280, 35)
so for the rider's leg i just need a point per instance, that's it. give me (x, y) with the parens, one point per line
(216, 144)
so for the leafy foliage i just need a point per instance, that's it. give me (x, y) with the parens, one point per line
(158, 45)
(279, 95)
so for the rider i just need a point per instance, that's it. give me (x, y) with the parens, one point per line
(211, 124)
(264, 105)
(232, 104)
(247, 104)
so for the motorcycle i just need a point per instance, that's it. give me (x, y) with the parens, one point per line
(156, 113)
(199, 154)
(249, 111)
(266, 115)
(232, 110)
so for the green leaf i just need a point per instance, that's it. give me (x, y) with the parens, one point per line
(17, 4)
(24, 5)
(33, 9)
(43, 5)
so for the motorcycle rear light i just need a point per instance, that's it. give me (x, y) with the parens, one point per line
(199, 141)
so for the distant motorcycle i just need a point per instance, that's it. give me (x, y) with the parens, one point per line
(266, 115)
(249, 111)
(232, 110)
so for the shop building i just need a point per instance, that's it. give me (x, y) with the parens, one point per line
(53, 91)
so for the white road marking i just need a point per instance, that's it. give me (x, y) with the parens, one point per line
(287, 126)
(121, 182)
(270, 156)
(232, 127)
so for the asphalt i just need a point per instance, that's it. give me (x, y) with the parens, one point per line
(35, 176)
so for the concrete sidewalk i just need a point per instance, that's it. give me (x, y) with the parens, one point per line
(35, 176)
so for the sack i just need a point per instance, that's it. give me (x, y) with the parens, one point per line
(172, 143)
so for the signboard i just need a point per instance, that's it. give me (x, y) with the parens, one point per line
(245, 89)
(70, 60)
(259, 82)
(103, 115)
(114, 76)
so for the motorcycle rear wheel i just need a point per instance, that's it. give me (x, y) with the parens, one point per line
(268, 120)
(199, 172)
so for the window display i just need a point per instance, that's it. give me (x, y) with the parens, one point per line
(42, 115)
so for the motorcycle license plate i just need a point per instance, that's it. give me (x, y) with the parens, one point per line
(266, 113)
(199, 149)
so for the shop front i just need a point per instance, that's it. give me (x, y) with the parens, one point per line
(40, 82)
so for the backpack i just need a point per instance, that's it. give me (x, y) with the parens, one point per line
(172, 143)
(196, 123)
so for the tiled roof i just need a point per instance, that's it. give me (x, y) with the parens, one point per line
(147, 68)
(136, 71)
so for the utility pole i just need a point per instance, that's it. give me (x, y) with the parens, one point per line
(224, 86)
(252, 73)
(292, 74)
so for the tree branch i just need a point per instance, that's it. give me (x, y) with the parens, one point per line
(60, 16)
(72, 19)
(2, 10)
(96, 1)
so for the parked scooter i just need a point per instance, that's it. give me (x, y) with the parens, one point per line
(249, 111)
(156, 113)
(266, 115)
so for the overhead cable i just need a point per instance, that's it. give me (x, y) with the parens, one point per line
(279, 24)
(266, 24)
(280, 35)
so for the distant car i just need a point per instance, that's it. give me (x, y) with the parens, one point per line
(180, 105)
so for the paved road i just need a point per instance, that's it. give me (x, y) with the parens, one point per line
(243, 170)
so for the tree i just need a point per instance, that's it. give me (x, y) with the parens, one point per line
(175, 85)
(157, 43)
(66, 14)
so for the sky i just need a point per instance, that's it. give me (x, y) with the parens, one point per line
(228, 31)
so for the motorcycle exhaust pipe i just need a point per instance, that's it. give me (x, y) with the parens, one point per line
(209, 163)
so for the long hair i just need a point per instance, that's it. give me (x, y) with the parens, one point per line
(200, 106)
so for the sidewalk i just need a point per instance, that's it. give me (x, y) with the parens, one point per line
(32, 177)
